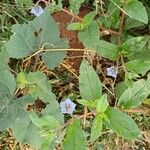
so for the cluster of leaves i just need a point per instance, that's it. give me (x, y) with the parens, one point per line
(40, 38)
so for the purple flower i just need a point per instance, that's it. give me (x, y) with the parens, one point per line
(37, 10)
(112, 71)
(67, 107)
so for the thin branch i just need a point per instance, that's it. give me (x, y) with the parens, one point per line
(71, 14)
(120, 27)
(54, 50)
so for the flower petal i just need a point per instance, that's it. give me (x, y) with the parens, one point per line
(37, 10)
(112, 71)
(67, 107)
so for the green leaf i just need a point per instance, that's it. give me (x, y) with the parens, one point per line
(75, 5)
(111, 20)
(137, 11)
(26, 132)
(53, 109)
(102, 104)
(134, 45)
(11, 109)
(90, 36)
(53, 58)
(88, 19)
(21, 80)
(120, 88)
(143, 54)
(40, 34)
(49, 127)
(131, 23)
(5, 96)
(138, 66)
(89, 83)
(75, 26)
(122, 124)
(23, 42)
(133, 8)
(54, 6)
(39, 87)
(8, 78)
(22, 3)
(87, 103)
(135, 94)
(45, 122)
(107, 50)
(96, 128)
(5, 75)
(4, 59)
(75, 139)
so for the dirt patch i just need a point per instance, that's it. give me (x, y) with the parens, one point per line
(63, 19)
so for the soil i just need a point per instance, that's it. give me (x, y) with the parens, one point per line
(63, 19)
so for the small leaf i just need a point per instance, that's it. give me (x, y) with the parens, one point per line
(133, 8)
(138, 66)
(122, 124)
(143, 54)
(45, 122)
(135, 94)
(89, 83)
(75, 5)
(21, 80)
(107, 50)
(131, 23)
(87, 103)
(88, 19)
(120, 88)
(102, 104)
(136, 10)
(24, 3)
(90, 36)
(96, 128)
(75, 139)
(134, 45)
(75, 26)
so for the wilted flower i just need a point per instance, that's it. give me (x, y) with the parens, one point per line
(67, 107)
(112, 71)
(37, 10)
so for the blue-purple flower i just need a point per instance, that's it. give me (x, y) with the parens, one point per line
(112, 71)
(67, 107)
(37, 10)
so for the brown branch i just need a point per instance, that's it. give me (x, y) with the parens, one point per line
(120, 27)
(109, 30)
(71, 14)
